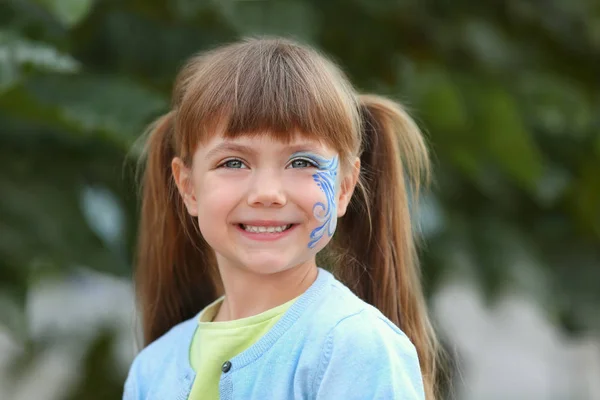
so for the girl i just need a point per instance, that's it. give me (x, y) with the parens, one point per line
(247, 178)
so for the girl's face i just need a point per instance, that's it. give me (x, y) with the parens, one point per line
(263, 205)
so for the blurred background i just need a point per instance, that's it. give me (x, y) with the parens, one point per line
(506, 91)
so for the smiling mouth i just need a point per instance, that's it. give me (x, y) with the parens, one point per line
(265, 229)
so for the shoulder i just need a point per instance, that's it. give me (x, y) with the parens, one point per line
(338, 302)
(341, 308)
(151, 362)
(364, 354)
(362, 328)
(368, 334)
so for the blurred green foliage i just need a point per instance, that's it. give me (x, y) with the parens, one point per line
(507, 91)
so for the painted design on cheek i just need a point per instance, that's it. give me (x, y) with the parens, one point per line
(325, 213)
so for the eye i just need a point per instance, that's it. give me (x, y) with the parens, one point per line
(233, 164)
(303, 163)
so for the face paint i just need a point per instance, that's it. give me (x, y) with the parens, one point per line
(326, 179)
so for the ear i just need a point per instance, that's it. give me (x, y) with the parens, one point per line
(347, 186)
(183, 179)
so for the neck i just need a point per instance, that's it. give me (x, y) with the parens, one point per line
(250, 293)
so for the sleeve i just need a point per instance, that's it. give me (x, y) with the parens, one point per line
(365, 357)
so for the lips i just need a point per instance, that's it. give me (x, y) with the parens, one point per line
(266, 222)
(265, 228)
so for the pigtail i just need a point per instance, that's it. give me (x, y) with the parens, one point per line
(174, 266)
(378, 257)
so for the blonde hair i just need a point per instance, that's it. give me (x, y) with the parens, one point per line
(280, 87)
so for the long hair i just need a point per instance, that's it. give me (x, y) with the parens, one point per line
(282, 88)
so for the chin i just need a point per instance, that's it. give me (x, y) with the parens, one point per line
(265, 268)
(266, 264)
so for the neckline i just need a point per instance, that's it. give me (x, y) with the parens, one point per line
(263, 344)
(240, 322)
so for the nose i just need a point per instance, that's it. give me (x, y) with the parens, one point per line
(266, 190)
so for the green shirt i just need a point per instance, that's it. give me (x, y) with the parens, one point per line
(216, 342)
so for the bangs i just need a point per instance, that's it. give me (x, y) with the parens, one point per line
(274, 88)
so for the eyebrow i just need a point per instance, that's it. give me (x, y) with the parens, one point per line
(226, 147)
(230, 147)
(307, 147)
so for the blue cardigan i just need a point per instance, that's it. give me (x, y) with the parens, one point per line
(328, 345)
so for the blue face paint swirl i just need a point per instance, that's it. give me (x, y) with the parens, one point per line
(325, 213)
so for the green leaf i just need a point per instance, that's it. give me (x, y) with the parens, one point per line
(68, 12)
(271, 17)
(586, 197)
(13, 288)
(487, 44)
(555, 105)
(42, 209)
(87, 104)
(441, 103)
(18, 53)
(552, 185)
(186, 9)
(507, 139)
(468, 162)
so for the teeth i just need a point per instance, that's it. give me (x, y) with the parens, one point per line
(265, 229)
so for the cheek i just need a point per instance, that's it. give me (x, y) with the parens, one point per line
(216, 199)
(305, 193)
(317, 197)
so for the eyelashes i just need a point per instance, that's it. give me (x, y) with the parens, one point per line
(229, 164)
(308, 161)
(315, 160)
(295, 163)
